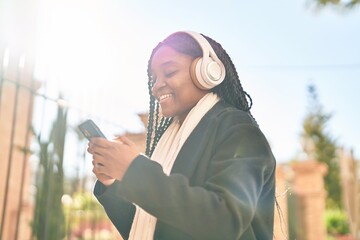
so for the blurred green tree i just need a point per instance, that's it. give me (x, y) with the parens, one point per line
(350, 4)
(49, 221)
(320, 145)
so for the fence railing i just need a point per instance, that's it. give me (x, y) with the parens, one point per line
(15, 116)
(29, 118)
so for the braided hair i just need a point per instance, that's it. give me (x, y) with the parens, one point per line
(229, 91)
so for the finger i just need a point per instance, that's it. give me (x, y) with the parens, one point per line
(99, 142)
(95, 171)
(96, 150)
(126, 141)
(90, 150)
(98, 159)
(118, 139)
(98, 168)
(96, 164)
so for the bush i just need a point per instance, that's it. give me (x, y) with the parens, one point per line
(336, 222)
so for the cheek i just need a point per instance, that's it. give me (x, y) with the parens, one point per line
(191, 96)
(184, 83)
(186, 90)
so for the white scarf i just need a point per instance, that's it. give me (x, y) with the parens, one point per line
(165, 153)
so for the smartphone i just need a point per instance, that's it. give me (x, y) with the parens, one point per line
(90, 129)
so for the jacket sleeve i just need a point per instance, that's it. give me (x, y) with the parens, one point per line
(224, 206)
(120, 211)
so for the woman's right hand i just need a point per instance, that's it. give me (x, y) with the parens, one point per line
(111, 159)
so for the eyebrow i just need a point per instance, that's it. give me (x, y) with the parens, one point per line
(170, 62)
(167, 63)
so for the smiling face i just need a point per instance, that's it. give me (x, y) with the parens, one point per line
(173, 87)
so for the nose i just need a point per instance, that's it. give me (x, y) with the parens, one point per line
(159, 83)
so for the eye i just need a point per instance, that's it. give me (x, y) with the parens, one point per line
(169, 74)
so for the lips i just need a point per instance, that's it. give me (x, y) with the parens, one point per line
(164, 96)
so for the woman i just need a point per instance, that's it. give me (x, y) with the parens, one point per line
(208, 171)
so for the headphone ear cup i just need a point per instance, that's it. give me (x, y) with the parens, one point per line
(195, 74)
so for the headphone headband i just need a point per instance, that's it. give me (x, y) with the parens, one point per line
(208, 51)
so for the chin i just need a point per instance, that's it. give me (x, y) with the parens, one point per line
(168, 115)
(165, 113)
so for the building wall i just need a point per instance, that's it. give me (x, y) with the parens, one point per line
(350, 189)
(281, 210)
(307, 186)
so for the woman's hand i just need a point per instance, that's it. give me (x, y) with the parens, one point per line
(111, 159)
(104, 179)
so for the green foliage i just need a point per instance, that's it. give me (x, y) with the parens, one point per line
(337, 3)
(319, 145)
(85, 201)
(336, 222)
(49, 221)
(81, 209)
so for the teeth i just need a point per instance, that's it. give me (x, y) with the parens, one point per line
(162, 97)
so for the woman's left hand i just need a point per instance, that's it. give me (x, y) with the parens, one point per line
(112, 158)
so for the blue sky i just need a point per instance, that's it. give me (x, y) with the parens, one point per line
(96, 52)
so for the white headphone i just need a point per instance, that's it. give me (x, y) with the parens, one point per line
(206, 71)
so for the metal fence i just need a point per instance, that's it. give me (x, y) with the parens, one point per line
(28, 118)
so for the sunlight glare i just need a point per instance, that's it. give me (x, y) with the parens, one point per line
(6, 58)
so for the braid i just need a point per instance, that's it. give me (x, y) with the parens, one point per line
(230, 90)
(156, 124)
(150, 123)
